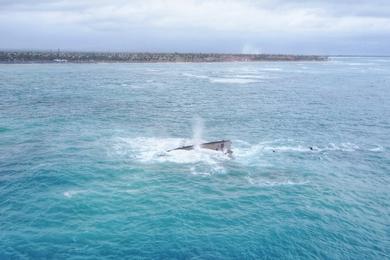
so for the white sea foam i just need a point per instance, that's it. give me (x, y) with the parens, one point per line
(154, 150)
(152, 70)
(132, 191)
(190, 75)
(359, 64)
(263, 182)
(282, 148)
(247, 153)
(251, 76)
(149, 150)
(381, 60)
(131, 86)
(271, 69)
(376, 149)
(233, 80)
(71, 193)
(195, 171)
(245, 150)
(346, 147)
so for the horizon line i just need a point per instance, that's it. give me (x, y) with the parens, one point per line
(181, 52)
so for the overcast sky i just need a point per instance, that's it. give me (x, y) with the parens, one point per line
(243, 26)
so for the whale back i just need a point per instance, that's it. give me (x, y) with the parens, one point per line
(221, 146)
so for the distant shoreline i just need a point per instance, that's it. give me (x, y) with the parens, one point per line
(27, 57)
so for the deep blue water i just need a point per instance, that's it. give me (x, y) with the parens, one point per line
(84, 173)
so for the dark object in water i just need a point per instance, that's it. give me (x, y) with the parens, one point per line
(221, 146)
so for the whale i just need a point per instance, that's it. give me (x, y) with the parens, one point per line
(224, 146)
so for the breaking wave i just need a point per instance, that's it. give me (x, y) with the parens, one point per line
(250, 76)
(190, 75)
(234, 80)
(271, 69)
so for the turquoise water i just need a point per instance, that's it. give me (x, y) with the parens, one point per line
(84, 173)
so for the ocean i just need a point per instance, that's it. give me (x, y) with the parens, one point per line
(84, 172)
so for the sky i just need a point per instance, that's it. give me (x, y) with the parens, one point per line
(329, 27)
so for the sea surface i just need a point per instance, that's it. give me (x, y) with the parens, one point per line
(84, 172)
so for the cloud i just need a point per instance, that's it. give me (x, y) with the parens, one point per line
(238, 19)
(233, 15)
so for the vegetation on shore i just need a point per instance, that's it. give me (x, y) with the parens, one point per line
(142, 57)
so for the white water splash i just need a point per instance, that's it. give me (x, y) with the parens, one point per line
(154, 150)
(205, 162)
